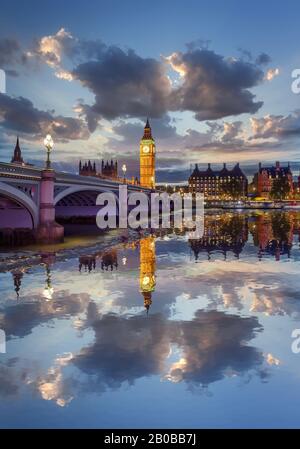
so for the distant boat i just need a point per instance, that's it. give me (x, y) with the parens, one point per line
(254, 205)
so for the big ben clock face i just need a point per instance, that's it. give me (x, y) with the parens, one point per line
(146, 149)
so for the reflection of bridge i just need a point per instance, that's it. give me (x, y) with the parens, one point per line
(33, 197)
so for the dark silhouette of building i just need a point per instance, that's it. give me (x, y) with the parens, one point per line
(17, 157)
(108, 169)
(87, 262)
(109, 260)
(216, 185)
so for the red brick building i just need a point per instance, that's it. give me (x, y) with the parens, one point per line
(265, 177)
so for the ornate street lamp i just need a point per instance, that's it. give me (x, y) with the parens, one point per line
(48, 142)
(124, 168)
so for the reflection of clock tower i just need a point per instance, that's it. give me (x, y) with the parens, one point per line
(147, 159)
(147, 269)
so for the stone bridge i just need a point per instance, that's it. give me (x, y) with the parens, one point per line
(33, 197)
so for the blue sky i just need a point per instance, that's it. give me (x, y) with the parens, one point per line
(193, 67)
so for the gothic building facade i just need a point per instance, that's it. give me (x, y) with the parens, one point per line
(108, 169)
(17, 156)
(147, 158)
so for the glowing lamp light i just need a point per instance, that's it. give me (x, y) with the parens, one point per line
(48, 142)
(48, 293)
(146, 280)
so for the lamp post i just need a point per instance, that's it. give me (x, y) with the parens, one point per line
(124, 168)
(48, 142)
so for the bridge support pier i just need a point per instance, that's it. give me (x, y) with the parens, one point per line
(48, 230)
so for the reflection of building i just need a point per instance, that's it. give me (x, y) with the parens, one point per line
(219, 184)
(264, 178)
(147, 269)
(108, 169)
(87, 262)
(147, 158)
(109, 260)
(222, 234)
(273, 234)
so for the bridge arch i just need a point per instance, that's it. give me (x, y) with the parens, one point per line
(79, 202)
(22, 199)
(81, 189)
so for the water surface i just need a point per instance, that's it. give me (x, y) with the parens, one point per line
(158, 331)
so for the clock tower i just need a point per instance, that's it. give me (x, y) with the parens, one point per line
(147, 159)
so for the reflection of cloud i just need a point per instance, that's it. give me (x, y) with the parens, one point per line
(271, 360)
(52, 387)
(125, 349)
(271, 73)
(212, 344)
(19, 320)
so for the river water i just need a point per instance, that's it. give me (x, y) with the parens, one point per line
(155, 331)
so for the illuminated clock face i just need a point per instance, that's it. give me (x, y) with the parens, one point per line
(146, 149)
(146, 280)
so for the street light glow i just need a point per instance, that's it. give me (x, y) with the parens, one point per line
(48, 142)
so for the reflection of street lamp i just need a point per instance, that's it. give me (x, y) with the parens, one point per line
(124, 168)
(48, 290)
(48, 142)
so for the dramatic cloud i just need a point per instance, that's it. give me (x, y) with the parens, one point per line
(263, 59)
(125, 84)
(128, 85)
(276, 126)
(10, 53)
(271, 73)
(62, 47)
(213, 86)
(20, 115)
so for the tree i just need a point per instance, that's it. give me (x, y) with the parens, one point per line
(280, 188)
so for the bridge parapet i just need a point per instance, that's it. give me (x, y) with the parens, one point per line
(19, 171)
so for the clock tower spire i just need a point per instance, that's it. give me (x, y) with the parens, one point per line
(147, 158)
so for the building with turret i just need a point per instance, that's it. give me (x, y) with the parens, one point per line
(108, 169)
(17, 156)
(265, 177)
